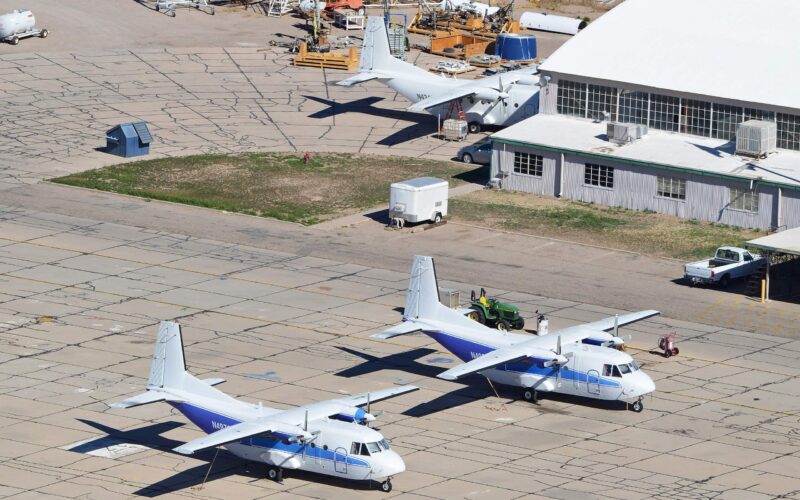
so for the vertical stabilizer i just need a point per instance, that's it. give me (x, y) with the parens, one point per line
(377, 57)
(169, 366)
(422, 300)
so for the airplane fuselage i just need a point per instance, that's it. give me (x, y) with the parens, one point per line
(523, 100)
(342, 449)
(592, 371)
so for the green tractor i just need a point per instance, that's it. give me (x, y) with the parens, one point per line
(490, 312)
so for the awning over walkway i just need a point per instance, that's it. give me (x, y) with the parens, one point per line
(787, 242)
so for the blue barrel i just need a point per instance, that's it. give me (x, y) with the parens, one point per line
(515, 47)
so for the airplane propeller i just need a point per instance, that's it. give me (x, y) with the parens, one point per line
(369, 417)
(559, 360)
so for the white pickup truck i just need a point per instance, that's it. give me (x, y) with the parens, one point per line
(728, 264)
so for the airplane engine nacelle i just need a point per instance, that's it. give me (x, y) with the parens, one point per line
(357, 415)
(529, 80)
(603, 339)
(490, 95)
(15, 22)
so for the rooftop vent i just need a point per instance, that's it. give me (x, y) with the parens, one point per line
(624, 133)
(756, 138)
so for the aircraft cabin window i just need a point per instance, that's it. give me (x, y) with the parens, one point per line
(606, 370)
(625, 369)
(373, 447)
(615, 371)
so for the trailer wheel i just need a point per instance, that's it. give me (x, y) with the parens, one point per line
(437, 218)
(44, 34)
(360, 11)
(14, 40)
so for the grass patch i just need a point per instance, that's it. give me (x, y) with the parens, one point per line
(277, 185)
(644, 232)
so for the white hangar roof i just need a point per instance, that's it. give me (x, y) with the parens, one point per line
(735, 49)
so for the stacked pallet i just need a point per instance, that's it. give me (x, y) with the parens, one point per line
(326, 60)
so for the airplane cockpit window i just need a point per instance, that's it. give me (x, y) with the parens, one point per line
(606, 370)
(359, 449)
(385, 444)
(625, 369)
(634, 366)
(373, 447)
(615, 371)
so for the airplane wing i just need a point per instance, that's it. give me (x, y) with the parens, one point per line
(361, 399)
(356, 79)
(498, 357)
(542, 347)
(241, 431)
(626, 319)
(451, 95)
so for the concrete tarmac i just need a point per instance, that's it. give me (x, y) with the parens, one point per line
(284, 312)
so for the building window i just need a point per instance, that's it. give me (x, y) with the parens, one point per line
(671, 187)
(788, 131)
(633, 107)
(744, 199)
(726, 119)
(664, 112)
(601, 100)
(528, 164)
(696, 117)
(598, 175)
(758, 114)
(571, 98)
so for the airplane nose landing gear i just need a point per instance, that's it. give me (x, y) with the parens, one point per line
(386, 486)
(638, 406)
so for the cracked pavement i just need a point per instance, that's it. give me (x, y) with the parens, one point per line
(79, 305)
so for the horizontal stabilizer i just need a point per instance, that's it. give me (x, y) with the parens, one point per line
(213, 381)
(356, 79)
(399, 329)
(444, 98)
(140, 399)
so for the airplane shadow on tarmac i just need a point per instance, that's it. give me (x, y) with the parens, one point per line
(423, 124)
(226, 464)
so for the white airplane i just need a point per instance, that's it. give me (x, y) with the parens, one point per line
(328, 437)
(579, 360)
(502, 99)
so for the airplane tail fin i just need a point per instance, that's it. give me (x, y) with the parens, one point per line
(376, 56)
(168, 373)
(422, 300)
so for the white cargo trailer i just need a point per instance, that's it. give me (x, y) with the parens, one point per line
(417, 200)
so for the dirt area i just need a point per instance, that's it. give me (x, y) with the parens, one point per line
(642, 232)
(277, 185)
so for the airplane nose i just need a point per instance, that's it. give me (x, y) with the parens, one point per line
(392, 464)
(647, 384)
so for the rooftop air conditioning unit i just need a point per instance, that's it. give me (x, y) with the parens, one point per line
(624, 133)
(756, 138)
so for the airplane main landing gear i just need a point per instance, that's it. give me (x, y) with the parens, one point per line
(386, 486)
(275, 474)
(530, 395)
(638, 406)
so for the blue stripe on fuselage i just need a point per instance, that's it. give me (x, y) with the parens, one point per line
(468, 350)
(210, 422)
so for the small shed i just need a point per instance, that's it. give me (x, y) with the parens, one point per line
(129, 139)
(782, 253)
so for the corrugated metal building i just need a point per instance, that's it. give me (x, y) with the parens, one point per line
(691, 74)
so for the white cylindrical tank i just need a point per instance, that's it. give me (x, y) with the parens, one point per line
(15, 22)
(549, 22)
(307, 6)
